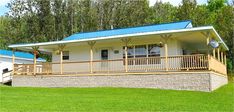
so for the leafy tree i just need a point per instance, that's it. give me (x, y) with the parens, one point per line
(163, 12)
(214, 5)
(50, 20)
(187, 10)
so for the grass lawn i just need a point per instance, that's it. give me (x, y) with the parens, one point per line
(16, 99)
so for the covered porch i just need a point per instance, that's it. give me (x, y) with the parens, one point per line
(185, 63)
(192, 54)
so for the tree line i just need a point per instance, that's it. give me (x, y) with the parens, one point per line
(30, 21)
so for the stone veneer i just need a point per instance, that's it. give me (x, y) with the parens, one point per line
(206, 81)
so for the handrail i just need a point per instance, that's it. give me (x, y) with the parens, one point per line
(217, 66)
(137, 64)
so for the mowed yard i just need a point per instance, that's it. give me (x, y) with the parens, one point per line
(17, 99)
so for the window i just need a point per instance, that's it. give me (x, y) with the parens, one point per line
(65, 55)
(141, 51)
(104, 54)
(154, 51)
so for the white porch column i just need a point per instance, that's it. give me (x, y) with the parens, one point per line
(35, 50)
(214, 53)
(13, 61)
(222, 57)
(34, 63)
(126, 42)
(165, 39)
(225, 59)
(61, 61)
(207, 42)
(91, 60)
(126, 58)
(91, 44)
(61, 47)
(218, 53)
(166, 56)
(207, 34)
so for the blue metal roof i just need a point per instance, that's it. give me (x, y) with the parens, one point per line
(131, 30)
(19, 54)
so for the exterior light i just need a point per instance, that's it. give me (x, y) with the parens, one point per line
(160, 45)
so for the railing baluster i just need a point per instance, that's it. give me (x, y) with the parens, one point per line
(140, 64)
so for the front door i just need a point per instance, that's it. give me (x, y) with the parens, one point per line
(104, 56)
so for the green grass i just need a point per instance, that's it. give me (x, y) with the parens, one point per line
(231, 77)
(16, 99)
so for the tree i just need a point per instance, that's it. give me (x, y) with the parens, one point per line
(50, 20)
(186, 10)
(163, 12)
(215, 5)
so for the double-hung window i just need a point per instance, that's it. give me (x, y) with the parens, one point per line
(137, 55)
(140, 55)
(154, 51)
(65, 55)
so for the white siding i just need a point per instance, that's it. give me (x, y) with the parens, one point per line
(82, 53)
(6, 62)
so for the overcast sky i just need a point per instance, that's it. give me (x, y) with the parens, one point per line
(3, 3)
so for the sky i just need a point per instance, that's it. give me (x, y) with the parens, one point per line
(3, 4)
(176, 2)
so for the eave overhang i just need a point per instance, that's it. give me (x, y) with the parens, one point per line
(196, 29)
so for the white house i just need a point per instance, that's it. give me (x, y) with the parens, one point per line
(6, 62)
(169, 56)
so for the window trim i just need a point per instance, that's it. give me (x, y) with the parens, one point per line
(66, 57)
(147, 54)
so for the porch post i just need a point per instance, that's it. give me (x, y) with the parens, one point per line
(91, 59)
(35, 49)
(222, 57)
(91, 44)
(61, 61)
(34, 63)
(214, 53)
(218, 53)
(166, 56)
(225, 59)
(126, 41)
(126, 58)
(208, 41)
(166, 38)
(61, 47)
(13, 61)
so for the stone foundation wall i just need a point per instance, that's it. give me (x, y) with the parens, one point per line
(186, 81)
(217, 81)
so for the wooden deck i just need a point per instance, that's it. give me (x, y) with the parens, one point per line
(185, 63)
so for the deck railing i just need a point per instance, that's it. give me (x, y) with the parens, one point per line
(146, 64)
(217, 66)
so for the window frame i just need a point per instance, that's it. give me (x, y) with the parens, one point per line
(147, 55)
(66, 55)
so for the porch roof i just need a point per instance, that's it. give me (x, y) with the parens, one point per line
(22, 55)
(167, 28)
